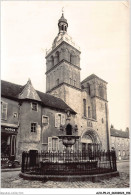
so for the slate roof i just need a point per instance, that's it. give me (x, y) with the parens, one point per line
(11, 90)
(92, 76)
(119, 133)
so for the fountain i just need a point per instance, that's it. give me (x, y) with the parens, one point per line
(68, 134)
(69, 165)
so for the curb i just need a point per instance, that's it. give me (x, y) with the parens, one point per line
(120, 161)
(69, 178)
(10, 169)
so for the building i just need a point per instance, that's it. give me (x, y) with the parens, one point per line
(31, 120)
(88, 97)
(121, 143)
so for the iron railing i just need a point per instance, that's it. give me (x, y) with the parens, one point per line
(68, 163)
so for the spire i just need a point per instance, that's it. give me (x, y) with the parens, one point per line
(62, 23)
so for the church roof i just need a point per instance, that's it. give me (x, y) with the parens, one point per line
(119, 133)
(92, 76)
(13, 91)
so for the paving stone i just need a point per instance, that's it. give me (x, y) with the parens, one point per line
(12, 180)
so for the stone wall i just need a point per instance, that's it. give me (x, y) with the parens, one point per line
(12, 107)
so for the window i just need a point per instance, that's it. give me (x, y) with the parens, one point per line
(59, 119)
(57, 81)
(33, 127)
(3, 110)
(119, 153)
(53, 143)
(102, 120)
(57, 57)
(52, 60)
(70, 81)
(124, 153)
(45, 120)
(101, 91)
(89, 112)
(15, 114)
(84, 107)
(88, 88)
(34, 106)
(68, 129)
(74, 83)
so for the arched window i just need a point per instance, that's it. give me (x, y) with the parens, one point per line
(72, 57)
(52, 60)
(62, 27)
(88, 88)
(65, 28)
(84, 107)
(101, 91)
(68, 129)
(89, 112)
(70, 81)
(57, 57)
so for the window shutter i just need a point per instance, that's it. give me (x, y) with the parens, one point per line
(62, 119)
(49, 143)
(57, 120)
(57, 144)
(3, 110)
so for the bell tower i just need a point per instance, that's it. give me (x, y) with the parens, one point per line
(62, 63)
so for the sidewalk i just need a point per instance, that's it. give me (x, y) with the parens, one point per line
(11, 169)
(119, 161)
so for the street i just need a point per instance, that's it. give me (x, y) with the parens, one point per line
(12, 180)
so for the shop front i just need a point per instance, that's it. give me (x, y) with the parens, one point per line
(8, 143)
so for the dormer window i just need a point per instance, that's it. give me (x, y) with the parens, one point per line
(34, 106)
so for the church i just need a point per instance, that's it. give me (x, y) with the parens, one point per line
(31, 120)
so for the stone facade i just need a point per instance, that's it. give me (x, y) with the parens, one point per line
(31, 120)
(88, 98)
(121, 143)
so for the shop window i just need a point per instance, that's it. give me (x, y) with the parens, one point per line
(59, 119)
(3, 110)
(34, 106)
(33, 127)
(45, 120)
(84, 107)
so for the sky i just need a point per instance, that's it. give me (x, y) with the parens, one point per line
(101, 29)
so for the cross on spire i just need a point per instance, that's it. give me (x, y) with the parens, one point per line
(62, 10)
